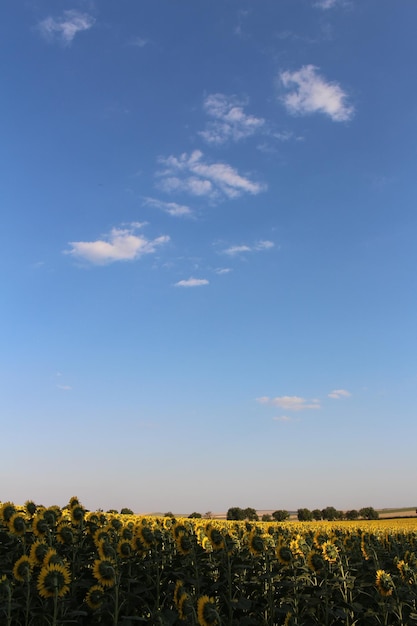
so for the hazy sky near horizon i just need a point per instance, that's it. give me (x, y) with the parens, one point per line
(209, 253)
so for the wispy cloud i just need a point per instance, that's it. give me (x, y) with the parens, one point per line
(283, 418)
(65, 28)
(223, 270)
(310, 93)
(337, 394)
(290, 403)
(139, 42)
(230, 122)
(257, 247)
(192, 282)
(328, 4)
(172, 208)
(64, 387)
(121, 244)
(193, 175)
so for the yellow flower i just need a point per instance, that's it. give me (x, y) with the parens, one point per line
(315, 561)
(53, 580)
(183, 543)
(206, 611)
(7, 509)
(37, 552)
(22, 569)
(330, 551)
(284, 554)
(255, 543)
(384, 583)
(180, 607)
(95, 596)
(40, 525)
(17, 524)
(64, 533)
(51, 556)
(124, 549)
(104, 571)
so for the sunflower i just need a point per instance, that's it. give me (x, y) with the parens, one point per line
(101, 534)
(315, 561)
(284, 554)
(105, 550)
(7, 509)
(127, 533)
(104, 571)
(54, 579)
(74, 501)
(183, 543)
(384, 583)
(95, 596)
(255, 543)
(17, 524)
(64, 534)
(51, 556)
(22, 569)
(146, 535)
(124, 549)
(40, 525)
(330, 551)
(37, 552)
(77, 514)
(406, 572)
(30, 507)
(178, 590)
(181, 606)
(206, 611)
(215, 536)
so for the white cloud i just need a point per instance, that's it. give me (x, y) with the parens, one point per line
(257, 247)
(64, 387)
(290, 403)
(121, 244)
(139, 42)
(190, 173)
(192, 282)
(328, 4)
(283, 418)
(174, 209)
(223, 270)
(66, 27)
(336, 394)
(310, 93)
(230, 121)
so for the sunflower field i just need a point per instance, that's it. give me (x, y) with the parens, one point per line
(70, 566)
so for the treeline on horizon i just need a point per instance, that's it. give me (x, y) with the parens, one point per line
(329, 513)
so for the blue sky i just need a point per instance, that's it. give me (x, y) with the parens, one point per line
(208, 253)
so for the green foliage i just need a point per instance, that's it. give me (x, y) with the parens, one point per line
(280, 515)
(368, 512)
(316, 513)
(304, 515)
(352, 514)
(195, 515)
(126, 511)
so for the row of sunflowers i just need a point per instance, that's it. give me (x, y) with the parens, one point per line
(70, 566)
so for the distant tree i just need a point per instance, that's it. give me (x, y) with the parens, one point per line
(126, 511)
(281, 515)
(112, 511)
(304, 515)
(266, 517)
(316, 513)
(329, 513)
(208, 515)
(169, 514)
(352, 514)
(251, 514)
(195, 514)
(235, 513)
(368, 512)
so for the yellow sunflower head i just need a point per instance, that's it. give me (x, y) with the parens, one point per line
(284, 554)
(52, 556)
(183, 543)
(207, 614)
(22, 569)
(95, 597)
(182, 606)
(30, 507)
(40, 525)
(64, 533)
(330, 551)
(384, 583)
(77, 514)
(17, 524)
(38, 551)
(7, 509)
(53, 580)
(124, 549)
(106, 550)
(315, 561)
(104, 572)
(256, 543)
